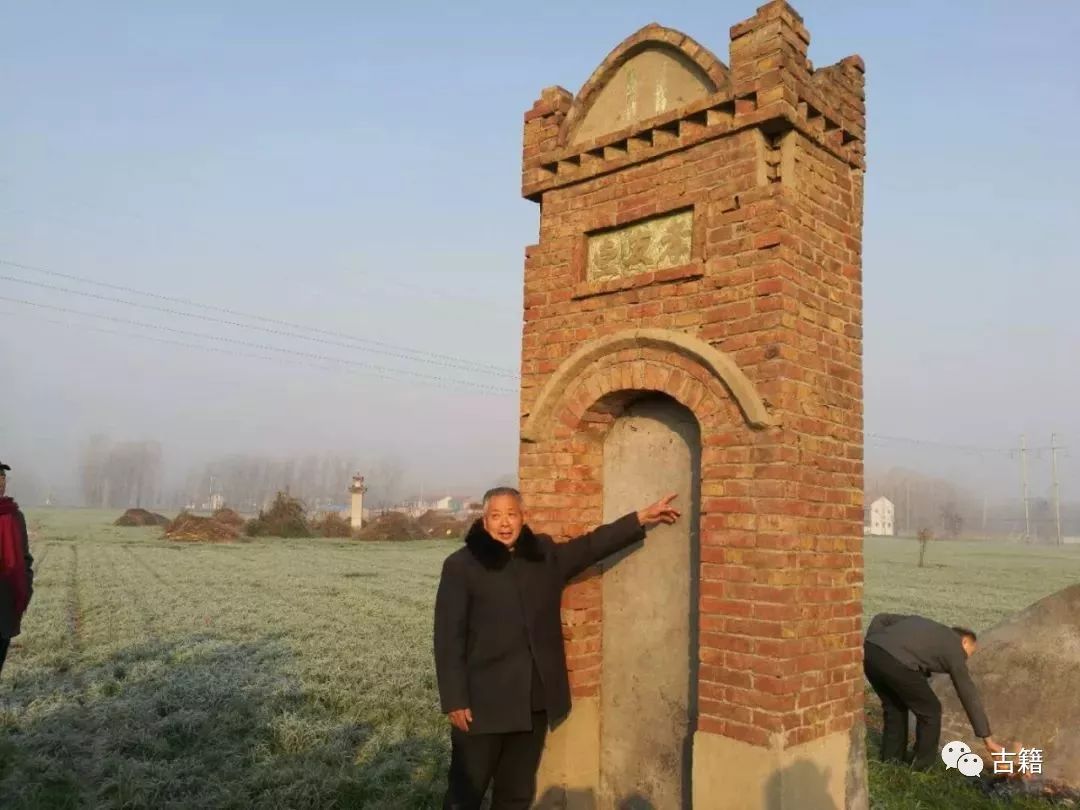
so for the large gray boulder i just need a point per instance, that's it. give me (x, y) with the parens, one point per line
(1027, 670)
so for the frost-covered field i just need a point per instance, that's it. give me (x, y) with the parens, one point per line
(298, 673)
(290, 674)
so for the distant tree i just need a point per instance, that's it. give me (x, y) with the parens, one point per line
(286, 517)
(250, 482)
(384, 483)
(925, 536)
(120, 475)
(132, 473)
(94, 456)
(951, 520)
(919, 498)
(1042, 519)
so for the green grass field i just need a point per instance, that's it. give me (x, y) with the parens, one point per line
(298, 674)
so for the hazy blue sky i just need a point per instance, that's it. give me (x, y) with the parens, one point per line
(357, 169)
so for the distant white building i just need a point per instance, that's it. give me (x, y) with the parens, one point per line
(449, 504)
(882, 513)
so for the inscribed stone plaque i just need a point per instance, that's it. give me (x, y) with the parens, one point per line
(653, 82)
(640, 247)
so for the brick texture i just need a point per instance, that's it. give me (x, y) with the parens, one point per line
(773, 167)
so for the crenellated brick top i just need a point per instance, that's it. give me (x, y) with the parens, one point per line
(770, 85)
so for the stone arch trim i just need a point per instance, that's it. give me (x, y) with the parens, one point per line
(652, 35)
(714, 363)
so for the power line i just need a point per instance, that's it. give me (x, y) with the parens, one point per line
(56, 288)
(943, 445)
(170, 342)
(377, 284)
(968, 448)
(388, 349)
(370, 367)
(381, 347)
(367, 370)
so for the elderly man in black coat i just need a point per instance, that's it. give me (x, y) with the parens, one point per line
(499, 652)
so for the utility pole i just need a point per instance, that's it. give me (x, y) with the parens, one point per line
(907, 506)
(1057, 490)
(1024, 488)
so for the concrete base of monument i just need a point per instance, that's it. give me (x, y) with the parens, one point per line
(825, 774)
(570, 768)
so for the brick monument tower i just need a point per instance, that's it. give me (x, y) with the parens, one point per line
(693, 323)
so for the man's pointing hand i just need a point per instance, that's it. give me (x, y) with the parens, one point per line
(660, 512)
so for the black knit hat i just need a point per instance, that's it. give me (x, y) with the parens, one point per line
(4, 468)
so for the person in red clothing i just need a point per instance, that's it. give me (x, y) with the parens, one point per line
(16, 572)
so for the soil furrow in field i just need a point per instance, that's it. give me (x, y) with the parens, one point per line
(74, 609)
(39, 560)
(157, 577)
(100, 606)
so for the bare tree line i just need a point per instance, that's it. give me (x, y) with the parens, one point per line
(925, 502)
(249, 482)
(949, 510)
(120, 475)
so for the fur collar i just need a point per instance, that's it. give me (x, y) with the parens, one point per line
(494, 555)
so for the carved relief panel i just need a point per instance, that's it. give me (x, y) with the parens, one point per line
(640, 247)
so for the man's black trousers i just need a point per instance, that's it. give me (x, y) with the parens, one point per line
(902, 690)
(4, 644)
(507, 762)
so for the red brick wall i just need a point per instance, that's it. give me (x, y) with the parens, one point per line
(772, 165)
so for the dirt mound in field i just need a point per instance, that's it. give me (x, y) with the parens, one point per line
(441, 524)
(332, 525)
(140, 517)
(229, 517)
(1026, 669)
(392, 526)
(195, 529)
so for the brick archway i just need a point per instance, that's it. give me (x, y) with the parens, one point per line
(563, 463)
(562, 450)
(689, 370)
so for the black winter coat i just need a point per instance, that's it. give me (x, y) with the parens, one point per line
(497, 609)
(9, 622)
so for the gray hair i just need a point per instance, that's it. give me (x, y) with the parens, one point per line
(491, 493)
